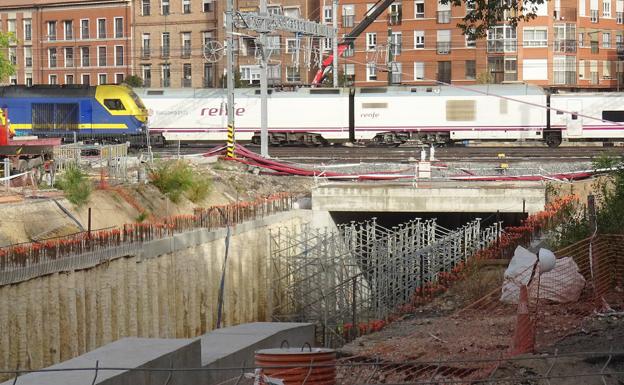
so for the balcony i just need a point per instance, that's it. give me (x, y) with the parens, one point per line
(443, 47)
(444, 17)
(145, 53)
(186, 82)
(495, 46)
(564, 46)
(348, 21)
(565, 14)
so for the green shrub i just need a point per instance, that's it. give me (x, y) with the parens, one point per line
(176, 178)
(76, 185)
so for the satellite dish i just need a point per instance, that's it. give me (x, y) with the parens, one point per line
(213, 51)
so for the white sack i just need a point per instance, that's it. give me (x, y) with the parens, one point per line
(517, 274)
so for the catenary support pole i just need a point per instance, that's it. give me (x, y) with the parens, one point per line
(264, 130)
(335, 43)
(229, 29)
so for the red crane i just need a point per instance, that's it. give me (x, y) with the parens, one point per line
(347, 41)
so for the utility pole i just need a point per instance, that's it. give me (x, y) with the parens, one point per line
(335, 42)
(229, 31)
(264, 24)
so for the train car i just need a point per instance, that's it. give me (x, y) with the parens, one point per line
(442, 114)
(201, 114)
(587, 116)
(101, 113)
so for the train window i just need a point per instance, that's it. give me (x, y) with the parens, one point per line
(613, 115)
(460, 110)
(155, 92)
(559, 112)
(374, 105)
(114, 104)
(574, 116)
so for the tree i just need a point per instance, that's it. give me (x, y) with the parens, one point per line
(6, 67)
(484, 14)
(133, 81)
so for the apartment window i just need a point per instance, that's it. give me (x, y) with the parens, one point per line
(186, 6)
(186, 75)
(348, 15)
(69, 79)
(208, 75)
(606, 40)
(186, 44)
(593, 15)
(471, 42)
(207, 6)
(619, 42)
(501, 39)
(102, 79)
(419, 9)
(580, 39)
(349, 73)
(606, 70)
(250, 73)
(444, 71)
(371, 41)
(581, 69)
(471, 69)
(606, 8)
(28, 80)
(119, 55)
(292, 12)
(273, 43)
(397, 72)
(13, 55)
(119, 78)
(165, 44)
(51, 30)
(564, 70)
(396, 41)
(371, 72)
(28, 60)
(164, 7)
(535, 37)
(511, 69)
(348, 52)
(13, 80)
(69, 57)
(292, 45)
(69, 29)
(274, 73)
(145, 46)
(11, 25)
(145, 7)
(619, 17)
(594, 45)
(84, 29)
(101, 28)
(419, 39)
(86, 79)
(419, 70)
(165, 71)
(444, 17)
(52, 79)
(327, 14)
(27, 29)
(102, 56)
(292, 74)
(593, 71)
(396, 13)
(119, 27)
(274, 9)
(85, 57)
(470, 6)
(146, 71)
(52, 57)
(444, 41)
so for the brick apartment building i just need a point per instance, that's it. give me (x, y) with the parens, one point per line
(170, 36)
(569, 45)
(68, 41)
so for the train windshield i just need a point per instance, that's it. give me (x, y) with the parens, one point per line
(136, 99)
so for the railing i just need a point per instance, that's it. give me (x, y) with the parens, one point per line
(443, 47)
(444, 17)
(564, 46)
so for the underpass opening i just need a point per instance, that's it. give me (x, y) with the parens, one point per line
(449, 220)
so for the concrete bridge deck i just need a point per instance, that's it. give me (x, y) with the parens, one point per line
(506, 197)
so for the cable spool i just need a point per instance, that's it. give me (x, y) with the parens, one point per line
(295, 366)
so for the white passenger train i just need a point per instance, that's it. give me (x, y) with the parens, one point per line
(390, 115)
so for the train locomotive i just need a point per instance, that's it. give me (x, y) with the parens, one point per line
(390, 115)
(104, 113)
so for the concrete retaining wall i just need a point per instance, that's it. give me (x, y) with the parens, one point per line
(167, 290)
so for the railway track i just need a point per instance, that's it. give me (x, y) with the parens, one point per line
(341, 154)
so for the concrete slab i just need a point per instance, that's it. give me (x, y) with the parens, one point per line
(125, 353)
(506, 197)
(235, 346)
